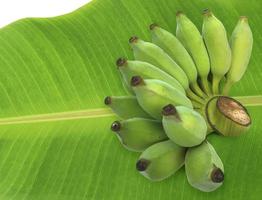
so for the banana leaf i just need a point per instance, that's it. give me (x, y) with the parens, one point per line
(55, 141)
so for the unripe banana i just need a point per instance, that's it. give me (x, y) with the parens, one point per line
(173, 47)
(219, 51)
(137, 134)
(183, 125)
(241, 43)
(161, 160)
(190, 37)
(151, 53)
(130, 68)
(227, 116)
(204, 168)
(153, 94)
(125, 106)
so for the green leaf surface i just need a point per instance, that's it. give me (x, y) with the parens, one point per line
(55, 141)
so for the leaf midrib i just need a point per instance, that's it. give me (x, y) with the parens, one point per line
(97, 113)
(60, 116)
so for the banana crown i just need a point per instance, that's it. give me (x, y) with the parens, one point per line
(227, 116)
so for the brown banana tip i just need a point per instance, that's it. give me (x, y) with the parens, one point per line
(136, 80)
(169, 110)
(152, 26)
(243, 18)
(217, 175)
(133, 39)
(121, 62)
(178, 13)
(108, 100)
(207, 12)
(116, 126)
(142, 164)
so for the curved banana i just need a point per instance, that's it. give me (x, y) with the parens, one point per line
(161, 160)
(204, 168)
(219, 51)
(137, 134)
(190, 37)
(151, 53)
(241, 43)
(125, 107)
(173, 47)
(152, 95)
(130, 68)
(183, 125)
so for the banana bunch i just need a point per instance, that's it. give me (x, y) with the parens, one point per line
(178, 86)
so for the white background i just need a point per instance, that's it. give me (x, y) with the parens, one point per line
(12, 10)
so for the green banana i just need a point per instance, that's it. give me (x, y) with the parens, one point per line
(137, 134)
(219, 51)
(204, 168)
(241, 43)
(130, 68)
(125, 106)
(151, 53)
(153, 94)
(183, 125)
(173, 47)
(161, 160)
(190, 37)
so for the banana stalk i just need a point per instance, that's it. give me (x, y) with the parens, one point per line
(227, 116)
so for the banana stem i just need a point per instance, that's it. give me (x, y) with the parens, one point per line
(227, 87)
(198, 90)
(205, 86)
(196, 105)
(215, 85)
(194, 97)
